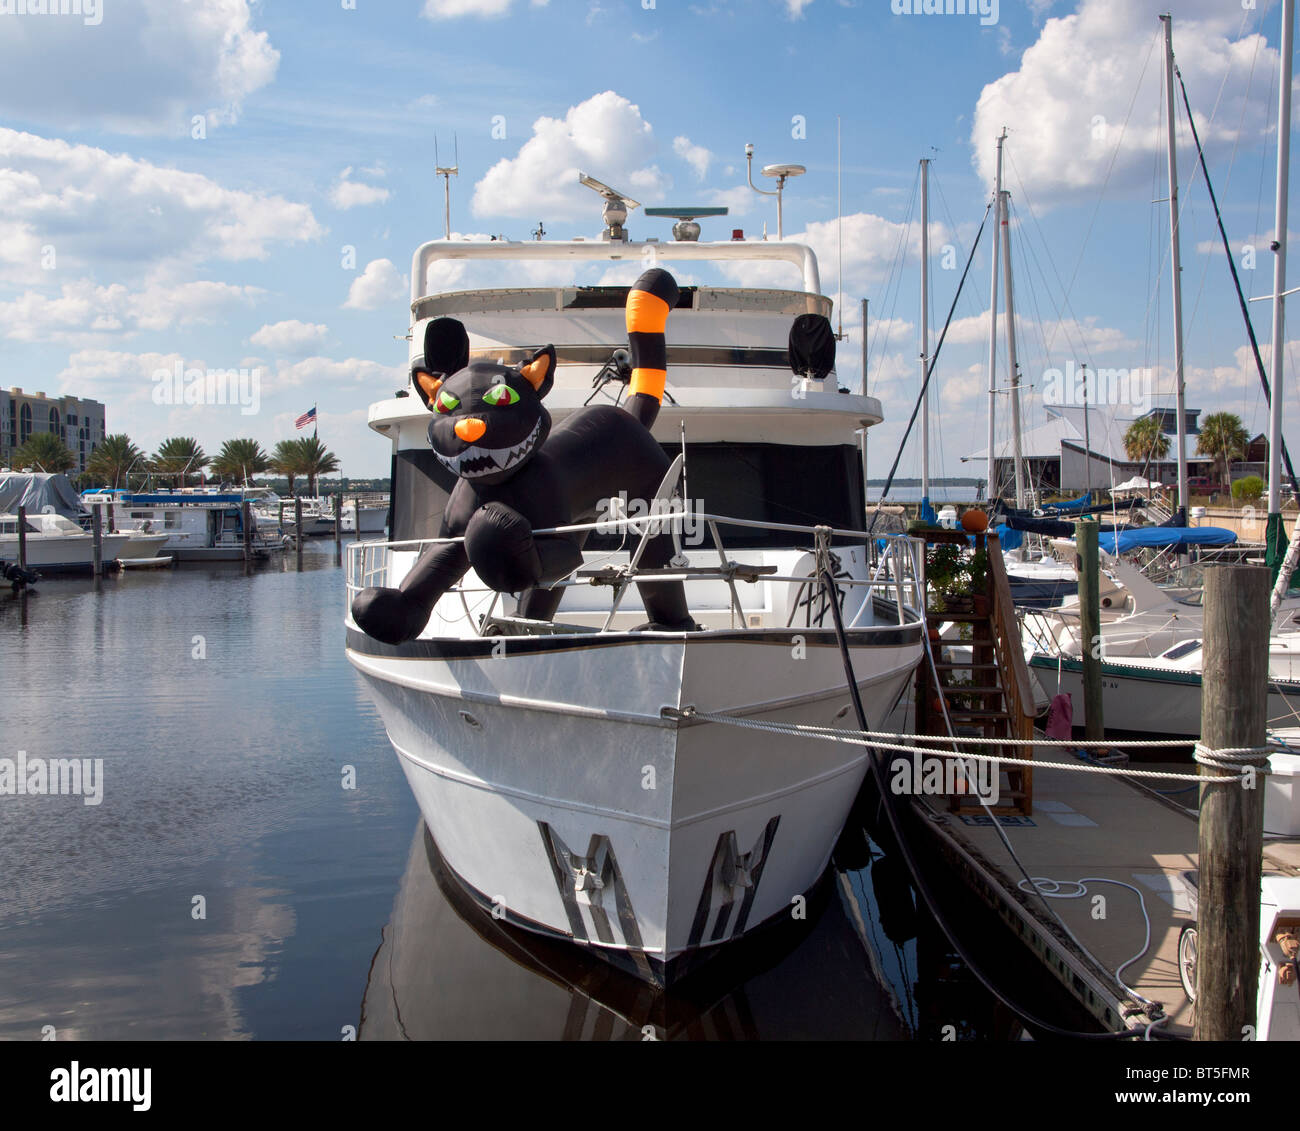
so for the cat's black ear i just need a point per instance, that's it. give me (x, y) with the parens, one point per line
(446, 347)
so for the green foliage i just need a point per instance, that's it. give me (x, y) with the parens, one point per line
(1145, 440)
(1224, 438)
(953, 574)
(1247, 490)
(240, 460)
(179, 458)
(306, 457)
(109, 463)
(45, 452)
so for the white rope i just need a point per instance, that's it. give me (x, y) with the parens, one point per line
(1233, 758)
(881, 740)
(1048, 888)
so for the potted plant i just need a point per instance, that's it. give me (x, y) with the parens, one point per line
(944, 574)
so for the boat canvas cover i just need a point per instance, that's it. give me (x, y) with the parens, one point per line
(1073, 505)
(1164, 536)
(40, 493)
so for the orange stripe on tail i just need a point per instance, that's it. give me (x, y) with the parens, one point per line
(646, 313)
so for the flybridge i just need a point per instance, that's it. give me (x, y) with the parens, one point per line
(648, 254)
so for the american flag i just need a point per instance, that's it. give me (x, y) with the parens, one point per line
(308, 417)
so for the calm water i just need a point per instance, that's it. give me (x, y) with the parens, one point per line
(226, 715)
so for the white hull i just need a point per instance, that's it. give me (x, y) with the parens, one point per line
(1146, 699)
(140, 546)
(59, 553)
(690, 833)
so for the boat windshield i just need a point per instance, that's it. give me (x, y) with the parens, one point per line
(779, 483)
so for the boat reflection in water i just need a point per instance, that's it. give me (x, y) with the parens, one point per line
(446, 970)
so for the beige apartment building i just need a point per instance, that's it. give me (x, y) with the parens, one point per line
(78, 423)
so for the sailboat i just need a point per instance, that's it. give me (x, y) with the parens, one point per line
(1151, 656)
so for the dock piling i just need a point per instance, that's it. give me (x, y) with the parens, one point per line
(297, 529)
(1234, 700)
(1087, 566)
(248, 533)
(97, 534)
(22, 537)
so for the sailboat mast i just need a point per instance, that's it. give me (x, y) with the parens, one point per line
(925, 327)
(1004, 210)
(1279, 263)
(991, 490)
(1176, 264)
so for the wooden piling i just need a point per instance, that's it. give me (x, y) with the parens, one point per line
(22, 537)
(1087, 566)
(97, 535)
(248, 532)
(1234, 698)
(297, 528)
(338, 522)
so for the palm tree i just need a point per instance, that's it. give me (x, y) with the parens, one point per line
(115, 456)
(287, 460)
(1145, 440)
(317, 460)
(178, 458)
(1224, 439)
(44, 450)
(240, 460)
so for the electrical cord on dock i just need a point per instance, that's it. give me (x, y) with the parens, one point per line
(919, 881)
(1035, 884)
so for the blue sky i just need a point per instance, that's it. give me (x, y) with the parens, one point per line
(318, 120)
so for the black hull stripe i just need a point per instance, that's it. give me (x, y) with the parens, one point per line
(769, 835)
(481, 647)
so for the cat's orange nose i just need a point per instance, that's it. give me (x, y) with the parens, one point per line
(470, 429)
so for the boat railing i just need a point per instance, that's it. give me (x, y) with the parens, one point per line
(895, 576)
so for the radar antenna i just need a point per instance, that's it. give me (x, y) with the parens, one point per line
(617, 206)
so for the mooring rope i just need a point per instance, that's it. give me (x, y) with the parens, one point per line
(1231, 759)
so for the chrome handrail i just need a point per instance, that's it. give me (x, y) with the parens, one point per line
(896, 562)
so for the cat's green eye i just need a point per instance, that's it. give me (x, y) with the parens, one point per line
(446, 402)
(500, 396)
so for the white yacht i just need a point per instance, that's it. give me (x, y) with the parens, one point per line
(56, 544)
(363, 517)
(200, 524)
(317, 517)
(564, 768)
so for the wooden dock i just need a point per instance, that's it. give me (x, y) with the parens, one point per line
(1093, 825)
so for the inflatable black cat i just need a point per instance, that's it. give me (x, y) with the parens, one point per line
(516, 475)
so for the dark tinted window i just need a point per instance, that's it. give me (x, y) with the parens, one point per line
(784, 483)
(420, 489)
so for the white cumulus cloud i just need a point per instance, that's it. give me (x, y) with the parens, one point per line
(696, 156)
(97, 209)
(378, 284)
(147, 67)
(82, 310)
(1068, 101)
(605, 137)
(290, 337)
(350, 194)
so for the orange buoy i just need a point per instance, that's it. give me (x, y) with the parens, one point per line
(975, 521)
